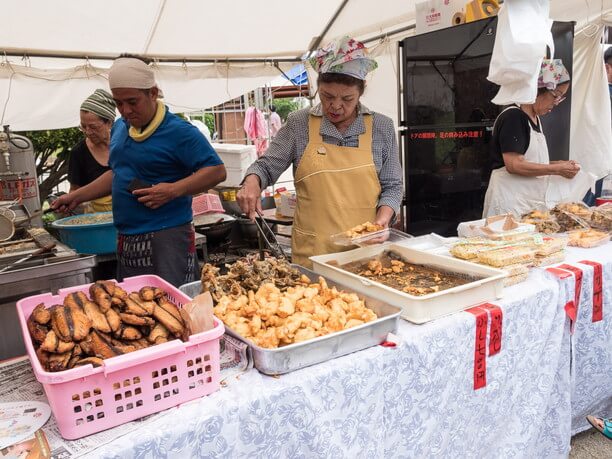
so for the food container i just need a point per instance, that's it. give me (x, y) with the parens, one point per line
(550, 245)
(90, 238)
(587, 238)
(507, 256)
(601, 218)
(572, 215)
(206, 203)
(468, 249)
(487, 284)
(236, 155)
(288, 201)
(86, 400)
(299, 355)
(477, 228)
(551, 259)
(544, 222)
(375, 237)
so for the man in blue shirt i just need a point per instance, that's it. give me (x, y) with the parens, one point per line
(158, 161)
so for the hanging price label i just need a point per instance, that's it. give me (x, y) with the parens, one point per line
(597, 289)
(480, 346)
(495, 336)
(570, 307)
(577, 280)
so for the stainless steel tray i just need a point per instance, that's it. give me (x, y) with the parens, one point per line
(299, 355)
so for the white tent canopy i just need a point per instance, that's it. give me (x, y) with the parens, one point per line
(54, 54)
(219, 50)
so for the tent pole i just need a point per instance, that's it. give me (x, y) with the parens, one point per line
(180, 60)
(389, 34)
(316, 41)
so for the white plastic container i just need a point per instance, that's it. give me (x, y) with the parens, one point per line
(234, 176)
(417, 309)
(236, 156)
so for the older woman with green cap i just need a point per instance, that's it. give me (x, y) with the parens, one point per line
(89, 158)
(345, 157)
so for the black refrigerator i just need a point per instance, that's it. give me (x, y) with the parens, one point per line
(447, 122)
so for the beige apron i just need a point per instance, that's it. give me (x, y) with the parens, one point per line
(512, 193)
(337, 188)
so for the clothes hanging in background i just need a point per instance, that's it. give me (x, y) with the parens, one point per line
(256, 129)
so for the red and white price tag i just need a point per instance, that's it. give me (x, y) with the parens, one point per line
(480, 346)
(597, 289)
(571, 308)
(495, 336)
(481, 313)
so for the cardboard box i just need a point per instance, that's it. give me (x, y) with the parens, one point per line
(287, 204)
(438, 14)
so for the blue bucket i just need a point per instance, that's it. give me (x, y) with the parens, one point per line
(90, 238)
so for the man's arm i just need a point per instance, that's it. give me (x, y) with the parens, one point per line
(102, 186)
(201, 180)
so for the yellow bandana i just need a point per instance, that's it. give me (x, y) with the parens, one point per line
(141, 136)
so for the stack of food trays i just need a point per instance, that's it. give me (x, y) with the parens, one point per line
(586, 227)
(515, 255)
(289, 316)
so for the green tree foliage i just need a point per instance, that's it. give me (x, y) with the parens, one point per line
(285, 106)
(52, 152)
(209, 121)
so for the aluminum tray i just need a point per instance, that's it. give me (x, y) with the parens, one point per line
(299, 355)
(487, 284)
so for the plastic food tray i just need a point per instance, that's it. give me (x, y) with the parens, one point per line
(595, 241)
(375, 237)
(86, 400)
(417, 309)
(299, 355)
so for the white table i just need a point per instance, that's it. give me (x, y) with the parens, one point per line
(416, 400)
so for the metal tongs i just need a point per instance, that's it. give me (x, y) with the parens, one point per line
(274, 245)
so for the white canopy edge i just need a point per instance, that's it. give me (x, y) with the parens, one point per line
(45, 92)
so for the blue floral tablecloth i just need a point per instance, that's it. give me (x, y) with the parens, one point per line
(416, 400)
(591, 370)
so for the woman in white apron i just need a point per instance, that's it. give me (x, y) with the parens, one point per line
(345, 157)
(523, 178)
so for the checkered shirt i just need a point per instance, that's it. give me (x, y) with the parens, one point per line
(288, 147)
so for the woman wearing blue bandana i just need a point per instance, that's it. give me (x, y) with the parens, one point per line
(158, 161)
(344, 156)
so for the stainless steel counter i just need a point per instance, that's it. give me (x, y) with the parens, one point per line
(36, 276)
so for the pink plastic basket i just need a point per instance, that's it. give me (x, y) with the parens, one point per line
(206, 203)
(86, 400)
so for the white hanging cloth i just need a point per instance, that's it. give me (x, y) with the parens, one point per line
(523, 33)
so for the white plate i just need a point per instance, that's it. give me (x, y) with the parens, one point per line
(20, 420)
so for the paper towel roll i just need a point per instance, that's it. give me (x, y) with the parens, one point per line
(458, 18)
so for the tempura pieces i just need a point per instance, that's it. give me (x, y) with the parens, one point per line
(391, 270)
(245, 275)
(272, 318)
(362, 229)
(85, 331)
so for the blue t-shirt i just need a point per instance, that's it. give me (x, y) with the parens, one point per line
(174, 151)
